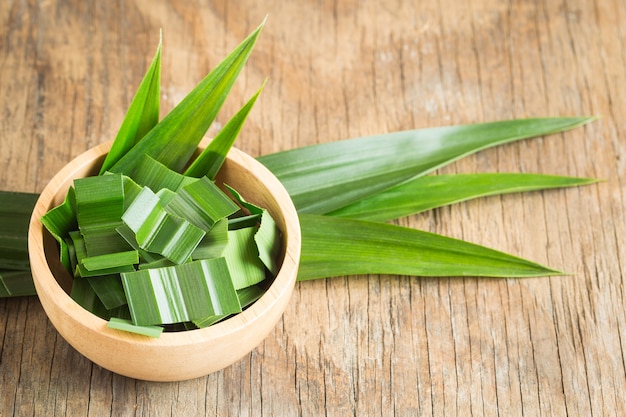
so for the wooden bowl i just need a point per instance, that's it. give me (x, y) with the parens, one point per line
(174, 356)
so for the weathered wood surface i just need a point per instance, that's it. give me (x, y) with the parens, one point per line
(374, 345)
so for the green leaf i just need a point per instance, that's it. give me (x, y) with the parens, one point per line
(333, 246)
(109, 290)
(128, 326)
(246, 296)
(99, 200)
(111, 260)
(202, 203)
(16, 283)
(214, 242)
(62, 219)
(242, 256)
(181, 293)
(15, 212)
(142, 115)
(322, 178)
(173, 140)
(213, 156)
(268, 242)
(153, 174)
(432, 191)
(160, 232)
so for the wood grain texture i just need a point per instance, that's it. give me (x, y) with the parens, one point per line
(370, 345)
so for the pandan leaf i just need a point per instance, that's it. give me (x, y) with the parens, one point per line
(323, 178)
(109, 290)
(268, 242)
(210, 160)
(432, 191)
(142, 115)
(15, 212)
(202, 203)
(153, 174)
(160, 232)
(173, 140)
(128, 326)
(334, 246)
(181, 293)
(16, 283)
(242, 256)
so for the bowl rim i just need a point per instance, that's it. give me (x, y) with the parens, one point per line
(283, 282)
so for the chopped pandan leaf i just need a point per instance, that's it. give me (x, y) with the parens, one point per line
(128, 326)
(62, 219)
(153, 174)
(210, 160)
(268, 242)
(142, 115)
(174, 140)
(246, 296)
(180, 293)
(83, 294)
(99, 200)
(202, 203)
(245, 266)
(109, 290)
(160, 232)
(131, 191)
(110, 260)
(252, 208)
(16, 283)
(214, 242)
(252, 220)
(81, 254)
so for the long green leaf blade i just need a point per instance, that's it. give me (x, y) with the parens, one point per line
(176, 137)
(432, 191)
(15, 212)
(322, 178)
(333, 246)
(142, 115)
(213, 156)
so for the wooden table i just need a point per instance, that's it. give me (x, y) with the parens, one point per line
(367, 345)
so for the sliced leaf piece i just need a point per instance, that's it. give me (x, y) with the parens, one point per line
(246, 296)
(160, 232)
(334, 246)
(245, 267)
(268, 242)
(181, 293)
(173, 140)
(213, 243)
(325, 177)
(209, 162)
(432, 191)
(111, 260)
(99, 200)
(153, 174)
(202, 203)
(62, 219)
(142, 115)
(128, 326)
(109, 290)
(86, 297)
